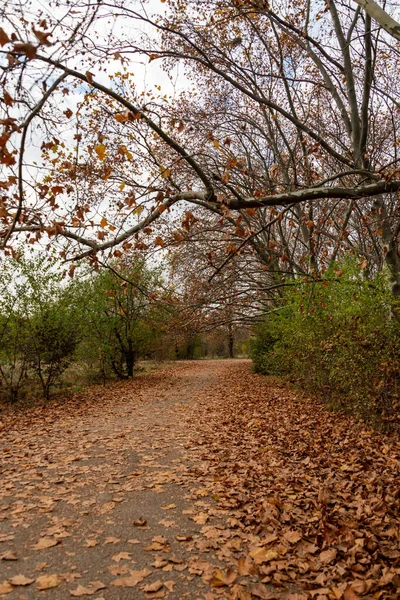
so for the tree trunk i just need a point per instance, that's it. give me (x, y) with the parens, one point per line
(231, 341)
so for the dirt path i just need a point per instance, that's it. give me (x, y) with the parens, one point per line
(199, 481)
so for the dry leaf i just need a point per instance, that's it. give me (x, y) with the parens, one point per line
(153, 587)
(46, 582)
(9, 555)
(93, 587)
(349, 594)
(134, 578)
(20, 580)
(44, 543)
(5, 588)
(122, 556)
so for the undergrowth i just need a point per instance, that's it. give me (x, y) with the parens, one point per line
(336, 339)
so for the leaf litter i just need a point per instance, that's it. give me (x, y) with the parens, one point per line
(278, 498)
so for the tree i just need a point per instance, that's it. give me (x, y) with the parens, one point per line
(123, 314)
(40, 324)
(293, 109)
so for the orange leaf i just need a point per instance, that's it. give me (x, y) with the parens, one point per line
(28, 49)
(46, 582)
(4, 39)
(100, 150)
(8, 101)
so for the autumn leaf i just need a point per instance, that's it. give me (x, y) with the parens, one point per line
(165, 172)
(90, 590)
(5, 588)
(159, 241)
(292, 536)
(20, 580)
(46, 582)
(153, 587)
(103, 222)
(42, 36)
(220, 579)
(134, 578)
(200, 519)
(100, 150)
(349, 594)
(260, 591)
(4, 39)
(25, 48)
(122, 556)
(8, 101)
(89, 77)
(9, 555)
(328, 556)
(68, 113)
(262, 555)
(44, 543)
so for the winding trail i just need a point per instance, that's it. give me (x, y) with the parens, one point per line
(199, 481)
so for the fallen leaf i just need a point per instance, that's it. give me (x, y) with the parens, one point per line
(46, 582)
(44, 543)
(260, 591)
(5, 588)
(20, 580)
(9, 555)
(122, 556)
(93, 587)
(153, 587)
(169, 506)
(134, 578)
(292, 537)
(349, 594)
(328, 556)
(262, 555)
(200, 519)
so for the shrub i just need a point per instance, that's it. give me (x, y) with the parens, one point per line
(335, 338)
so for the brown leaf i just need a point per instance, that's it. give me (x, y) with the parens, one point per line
(292, 537)
(44, 543)
(200, 519)
(260, 591)
(122, 556)
(262, 555)
(94, 587)
(328, 556)
(20, 580)
(89, 77)
(5, 588)
(134, 578)
(4, 39)
(220, 579)
(42, 36)
(46, 582)
(349, 594)
(169, 585)
(153, 587)
(9, 555)
(25, 48)
(8, 101)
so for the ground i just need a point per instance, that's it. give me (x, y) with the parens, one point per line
(202, 480)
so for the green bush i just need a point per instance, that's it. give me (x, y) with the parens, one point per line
(335, 338)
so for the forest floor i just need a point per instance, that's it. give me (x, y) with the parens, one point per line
(198, 481)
